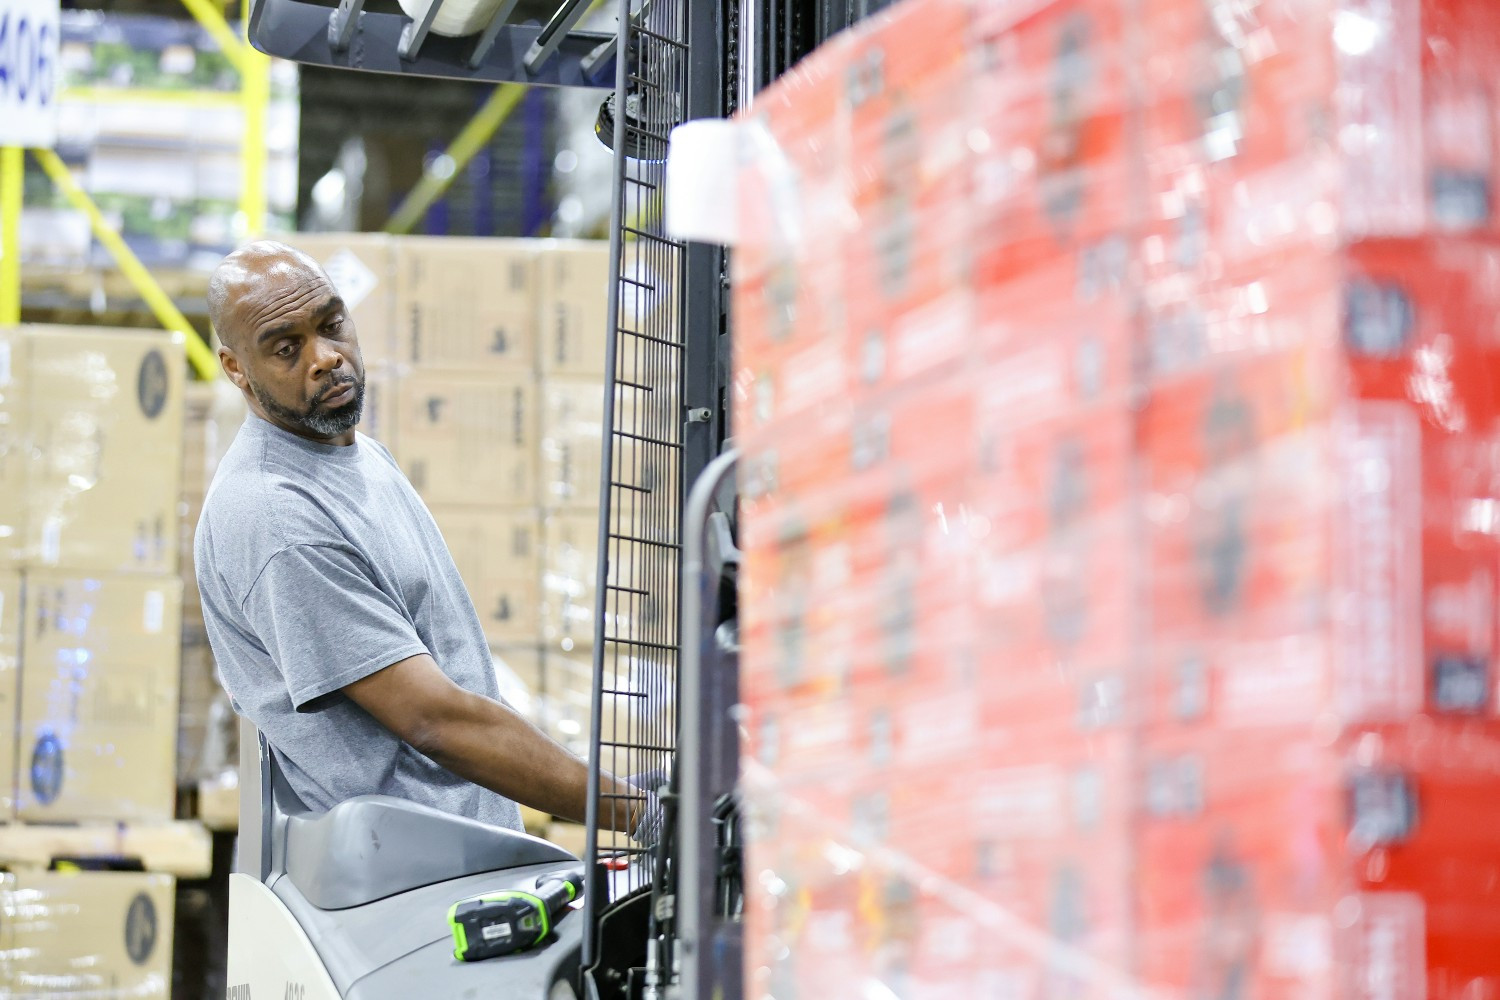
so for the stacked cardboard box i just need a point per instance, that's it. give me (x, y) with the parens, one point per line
(1119, 592)
(92, 530)
(212, 414)
(644, 492)
(93, 934)
(466, 413)
(90, 617)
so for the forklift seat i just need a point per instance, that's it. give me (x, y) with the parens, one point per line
(374, 846)
(356, 898)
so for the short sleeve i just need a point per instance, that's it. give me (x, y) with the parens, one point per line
(325, 622)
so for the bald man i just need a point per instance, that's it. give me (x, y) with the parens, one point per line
(337, 618)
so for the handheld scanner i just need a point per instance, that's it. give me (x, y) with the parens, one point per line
(504, 923)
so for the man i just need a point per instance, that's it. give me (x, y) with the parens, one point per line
(337, 618)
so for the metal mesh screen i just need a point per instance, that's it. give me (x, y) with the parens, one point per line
(637, 639)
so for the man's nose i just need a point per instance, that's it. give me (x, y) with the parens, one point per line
(326, 359)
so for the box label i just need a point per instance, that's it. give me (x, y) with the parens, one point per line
(152, 384)
(155, 612)
(351, 278)
(28, 72)
(140, 929)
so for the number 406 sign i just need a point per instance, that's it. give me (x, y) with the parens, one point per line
(28, 72)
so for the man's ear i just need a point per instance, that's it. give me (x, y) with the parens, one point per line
(231, 366)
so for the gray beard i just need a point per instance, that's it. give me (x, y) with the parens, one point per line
(316, 421)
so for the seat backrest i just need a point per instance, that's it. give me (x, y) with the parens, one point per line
(374, 846)
(366, 848)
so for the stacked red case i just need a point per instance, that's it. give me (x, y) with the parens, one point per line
(1122, 502)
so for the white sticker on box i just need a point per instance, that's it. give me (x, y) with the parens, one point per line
(1273, 682)
(4, 362)
(155, 612)
(51, 548)
(1023, 801)
(353, 279)
(1298, 945)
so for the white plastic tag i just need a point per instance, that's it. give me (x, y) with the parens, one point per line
(155, 612)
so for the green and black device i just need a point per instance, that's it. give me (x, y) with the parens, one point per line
(504, 923)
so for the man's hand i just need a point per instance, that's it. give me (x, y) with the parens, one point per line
(651, 820)
(491, 745)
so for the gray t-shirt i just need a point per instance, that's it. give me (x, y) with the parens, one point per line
(320, 565)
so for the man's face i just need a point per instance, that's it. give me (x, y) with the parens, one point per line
(295, 351)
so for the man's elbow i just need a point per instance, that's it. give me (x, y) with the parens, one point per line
(423, 736)
(435, 727)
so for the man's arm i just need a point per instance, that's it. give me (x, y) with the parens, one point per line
(487, 743)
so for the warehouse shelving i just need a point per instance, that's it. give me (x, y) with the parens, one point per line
(167, 295)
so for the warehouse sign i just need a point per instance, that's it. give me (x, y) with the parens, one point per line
(28, 72)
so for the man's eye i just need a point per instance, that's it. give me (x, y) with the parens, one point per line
(334, 325)
(285, 350)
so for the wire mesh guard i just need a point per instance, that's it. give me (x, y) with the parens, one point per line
(637, 642)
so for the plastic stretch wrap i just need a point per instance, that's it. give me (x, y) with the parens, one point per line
(1117, 385)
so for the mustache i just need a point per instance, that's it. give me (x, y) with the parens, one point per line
(333, 386)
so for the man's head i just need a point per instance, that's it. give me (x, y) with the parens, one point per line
(287, 341)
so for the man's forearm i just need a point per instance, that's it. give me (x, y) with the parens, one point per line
(494, 746)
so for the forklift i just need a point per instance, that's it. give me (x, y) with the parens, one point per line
(382, 899)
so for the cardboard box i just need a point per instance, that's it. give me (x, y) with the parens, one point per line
(101, 935)
(1176, 642)
(573, 439)
(569, 579)
(1052, 100)
(574, 306)
(10, 663)
(574, 310)
(15, 446)
(498, 554)
(1270, 474)
(212, 415)
(1227, 884)
(469, 439)
(466, 304)
(99, 697)
(1411, 102)
(378, 416)
(572, 442)
(198, 689)
(104, 445)
(641, 605)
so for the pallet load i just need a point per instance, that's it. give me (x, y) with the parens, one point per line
(96, 419)
(1121, 438)
(90, 453)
